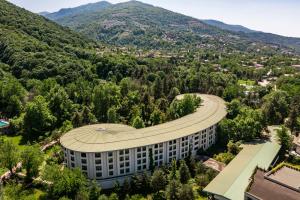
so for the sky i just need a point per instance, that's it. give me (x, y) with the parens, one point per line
(274, 16)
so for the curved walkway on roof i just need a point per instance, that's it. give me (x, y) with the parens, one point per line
(111, 137)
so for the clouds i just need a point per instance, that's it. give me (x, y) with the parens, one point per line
(276, 16)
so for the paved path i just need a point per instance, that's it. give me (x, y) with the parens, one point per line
(7, 175)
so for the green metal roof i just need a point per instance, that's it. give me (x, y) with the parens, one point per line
(232, 182)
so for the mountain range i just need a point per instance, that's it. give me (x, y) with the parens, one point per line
(143, 25)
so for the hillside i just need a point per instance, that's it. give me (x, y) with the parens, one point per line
(228, 27)
(34, 47)
(146, 26)
(258, 36)
(69, 12)
(143, 25)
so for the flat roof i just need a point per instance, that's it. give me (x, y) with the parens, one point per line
(110, 137)
(287, 176)
(232, 182)
(267, 189)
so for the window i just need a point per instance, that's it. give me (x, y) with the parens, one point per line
(110, 154)
(127, 151)
(144, 148)
(72, 165)
(121, 152)
(139, 162)
(83, 161)
(98, 168)
(83, 155)
(84, 167)
(110, 160)
(122, 171)
(111, 166)
(72, 158)
(122, 165)
(139, 168)
(99, 174)
(72, 152)
(156, 146)
(127, 170)
(121, 158)
(97, 155)
(97, 162)
(111, 173)
(127, 164)
(139, 149)
(127, 158)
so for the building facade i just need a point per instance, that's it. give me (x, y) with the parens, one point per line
(111, 152)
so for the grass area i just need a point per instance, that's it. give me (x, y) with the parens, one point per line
(16, 139)
(2, 171)
(246, 82)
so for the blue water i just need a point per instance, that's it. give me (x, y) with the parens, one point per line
(3, 124)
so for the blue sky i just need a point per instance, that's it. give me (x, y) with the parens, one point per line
(275, 16)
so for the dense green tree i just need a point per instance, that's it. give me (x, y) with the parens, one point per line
(60, 105)
(233, 147)
(233, 108)
(12, 94)
(173, 171)
(38, 119)
(87, 116)
(285, 138)
(112, 115)
(68, 182)
(173, 190)
(173, 93)
(32, 158)
(188, 104)
(184, 173)
(157, 88)
(186, 192)
(246, 126)
(202, 180)
(156, 117)
(292, 121)
(275, 107)
(94, 191)
(104, 97)
(158, 180)
(9, 155)
(138, 123)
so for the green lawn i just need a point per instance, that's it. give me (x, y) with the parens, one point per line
(246, 82)
(17, 140)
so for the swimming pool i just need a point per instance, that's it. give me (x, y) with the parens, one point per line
(3, 124)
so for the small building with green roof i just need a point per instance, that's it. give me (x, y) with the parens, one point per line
(232, 182)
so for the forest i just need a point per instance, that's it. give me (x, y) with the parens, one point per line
(53, 80)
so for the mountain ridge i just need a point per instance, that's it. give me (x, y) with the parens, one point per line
(65, 12)
(229, 27)
(143, 25)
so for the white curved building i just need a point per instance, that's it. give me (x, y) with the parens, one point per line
(110, 152)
